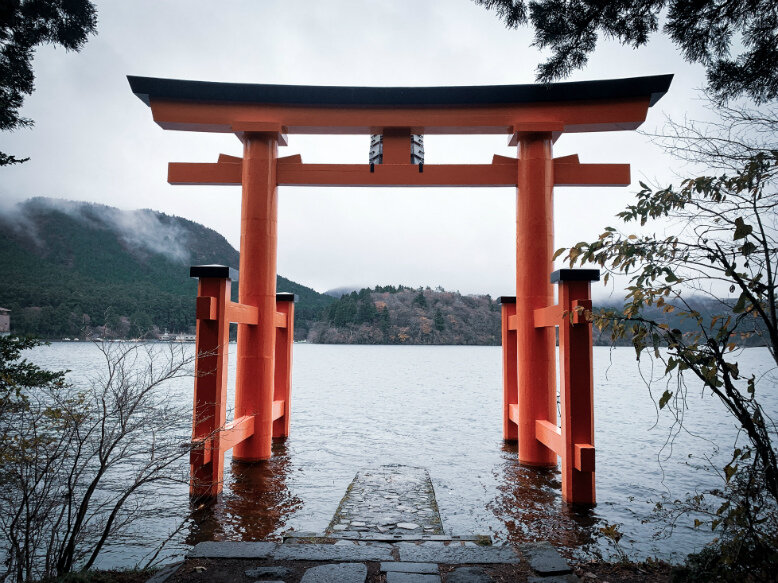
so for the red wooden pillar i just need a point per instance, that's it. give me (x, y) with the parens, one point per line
(283, 362)
(510, 390)
(254, 384)
(576, 387)
(210, 386)
(534, 251)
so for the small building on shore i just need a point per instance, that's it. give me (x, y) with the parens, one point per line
(5, 321)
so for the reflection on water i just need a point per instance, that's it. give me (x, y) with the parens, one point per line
(255, 505)
(440, 407)
(529, 504)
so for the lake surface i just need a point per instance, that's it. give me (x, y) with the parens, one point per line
(440, 407)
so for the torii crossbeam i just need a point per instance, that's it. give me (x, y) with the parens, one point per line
(532, 116)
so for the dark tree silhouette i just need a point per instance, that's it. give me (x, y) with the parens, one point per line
(703, 31)
(25, 24)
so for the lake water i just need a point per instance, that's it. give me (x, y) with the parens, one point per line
(440, 407)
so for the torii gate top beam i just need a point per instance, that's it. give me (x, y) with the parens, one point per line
(582, 106)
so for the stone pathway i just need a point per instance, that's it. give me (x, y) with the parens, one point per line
(387, 529)
(345, 561)
(390, 500)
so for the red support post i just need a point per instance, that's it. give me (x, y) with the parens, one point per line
(283, 362)
(255, 377)
(210, 387)
(534, 250)
(510, 392)
(577, 384)
(574, 440)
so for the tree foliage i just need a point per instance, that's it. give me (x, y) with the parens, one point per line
(725, 245)
(726, 142)
(704, 31)
(25, 24)
(71, 270)
(403, 315)
(17, 377)
(79, 462)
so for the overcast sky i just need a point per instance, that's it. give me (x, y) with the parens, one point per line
(93, 140)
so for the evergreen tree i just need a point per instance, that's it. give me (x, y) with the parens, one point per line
(140, 325)
(25, 24)
(383, 322)
(366, 310)
(440, 322)
(703, 31)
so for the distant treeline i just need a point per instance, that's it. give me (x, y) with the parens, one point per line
(403, 315)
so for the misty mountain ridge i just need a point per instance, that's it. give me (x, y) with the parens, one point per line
(141, 233)
(339, 292)
(70, 265)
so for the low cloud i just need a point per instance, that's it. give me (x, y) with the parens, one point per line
(142, 231)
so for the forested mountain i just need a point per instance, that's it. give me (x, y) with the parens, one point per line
(403, 315)
(70, 268)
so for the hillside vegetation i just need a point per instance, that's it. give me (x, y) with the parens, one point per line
(74, 268)
(402, 315)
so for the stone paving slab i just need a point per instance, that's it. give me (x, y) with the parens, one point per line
(468, 575)
(362, 543)
(390, 500)
(301, 534)
(316, 552)
(233, 550)
(389, 538)
(399, 563)
(393, 544)
(544, 559)
(397, 577)
(456, 555)
(340, 573)
(403, 567)
(265, 572)
(312, 536)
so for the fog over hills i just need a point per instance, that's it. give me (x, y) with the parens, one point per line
(71, 268)
(339, 292)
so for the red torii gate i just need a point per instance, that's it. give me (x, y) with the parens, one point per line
(534, 116)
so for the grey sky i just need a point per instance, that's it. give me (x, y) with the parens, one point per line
(95, 141)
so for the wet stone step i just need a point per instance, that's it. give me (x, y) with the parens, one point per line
(388, 501)
(456, 555)
(400, 567)
(544, 559)
(307, 537)
(337, 573)
(318, 552)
